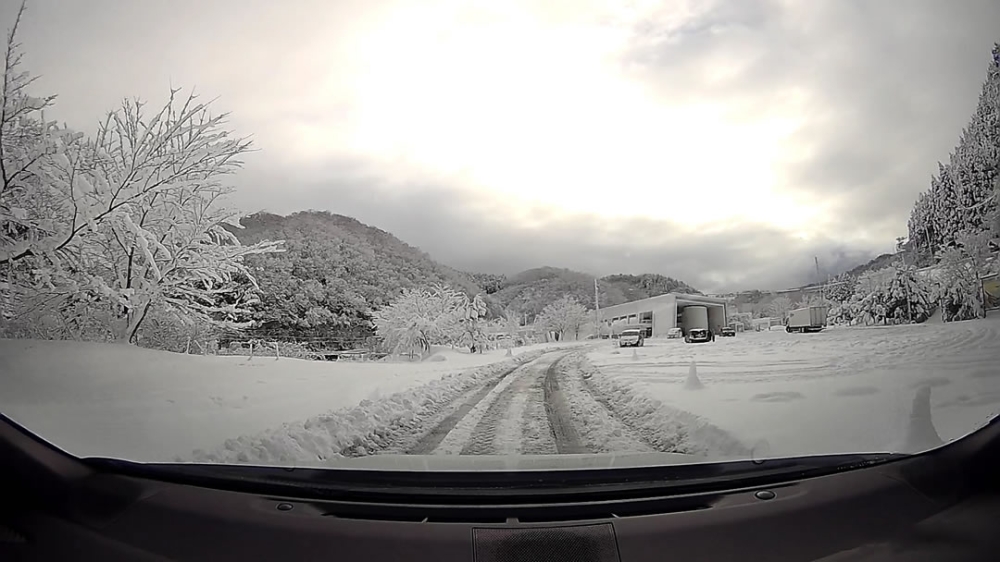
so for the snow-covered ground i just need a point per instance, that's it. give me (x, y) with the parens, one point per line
(757, 395)
(121, 401)
(841, 390)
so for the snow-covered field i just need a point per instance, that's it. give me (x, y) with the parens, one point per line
(122, 401)
(841, 390)
(757, 395)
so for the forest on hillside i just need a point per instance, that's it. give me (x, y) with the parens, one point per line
(962, 196)
(334, 273)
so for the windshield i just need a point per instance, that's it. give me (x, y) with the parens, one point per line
(370, 234)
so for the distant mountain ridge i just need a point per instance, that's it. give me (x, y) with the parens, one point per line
(335, 271)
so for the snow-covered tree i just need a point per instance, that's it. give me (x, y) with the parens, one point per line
(418, 319)
(779, 307)
(471, 321)
(511, 322)
(841, 314)
(959, 288)
(841, 290)
(129, 221)
(890, 295)
(564, 316)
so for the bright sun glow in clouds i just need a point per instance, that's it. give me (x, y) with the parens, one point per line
(526, 107)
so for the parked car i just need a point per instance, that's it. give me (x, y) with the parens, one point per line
(699, 335)
(728, 332)
(674, 333)
(631, 338)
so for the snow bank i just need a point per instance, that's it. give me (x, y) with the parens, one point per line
(369, 427)
(121, 401)
(666, 428)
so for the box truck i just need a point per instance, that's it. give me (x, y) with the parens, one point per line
(806, 319)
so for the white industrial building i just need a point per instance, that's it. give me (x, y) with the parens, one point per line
(661, 313)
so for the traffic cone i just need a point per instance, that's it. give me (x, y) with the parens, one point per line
(692, 382)
(509, 353)
(921, 434)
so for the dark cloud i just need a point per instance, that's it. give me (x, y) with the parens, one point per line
(888, 87)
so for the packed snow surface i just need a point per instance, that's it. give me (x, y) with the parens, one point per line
(840, 390)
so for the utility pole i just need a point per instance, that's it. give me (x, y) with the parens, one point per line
(906, 279)
(597, 310)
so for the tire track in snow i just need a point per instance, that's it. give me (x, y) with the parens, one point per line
(464, 430)
(499, 431)
(557, 411)
(515, 421)
(430, 440)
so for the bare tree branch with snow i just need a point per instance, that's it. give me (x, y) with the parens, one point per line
(127, 221)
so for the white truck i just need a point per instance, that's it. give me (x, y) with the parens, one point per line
(806, 319)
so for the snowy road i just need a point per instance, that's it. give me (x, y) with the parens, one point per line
(547, 406)
(524, 412)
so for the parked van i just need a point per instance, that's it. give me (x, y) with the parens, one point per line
(632, 337)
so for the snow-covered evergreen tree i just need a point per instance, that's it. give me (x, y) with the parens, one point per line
(472, 319)
(840, 290)
(959, 287)
(890, 295)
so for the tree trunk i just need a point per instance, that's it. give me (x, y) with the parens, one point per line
(137, 321)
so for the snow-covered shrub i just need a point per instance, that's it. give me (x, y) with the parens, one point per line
(840, 315)
(174, 332)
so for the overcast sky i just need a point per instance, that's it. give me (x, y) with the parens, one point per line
(725, 143)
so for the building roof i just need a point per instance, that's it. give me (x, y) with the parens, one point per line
(700, 299)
